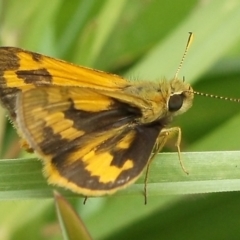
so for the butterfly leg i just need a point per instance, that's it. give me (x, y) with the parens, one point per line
(169, 132)
(24, 144)
(163, 137)
(161, 141)
(85, 200)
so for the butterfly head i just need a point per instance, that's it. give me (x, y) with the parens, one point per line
(180, 98)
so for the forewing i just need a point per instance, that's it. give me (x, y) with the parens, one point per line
(90, 143)
(21, 70)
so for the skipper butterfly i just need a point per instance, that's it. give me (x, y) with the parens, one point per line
(94, 131)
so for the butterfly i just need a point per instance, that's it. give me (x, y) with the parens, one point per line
(94, 131)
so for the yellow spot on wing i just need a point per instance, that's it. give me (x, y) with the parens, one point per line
(63, 127)
(92, 143)
(100, 165)
(89, 100)
(13, 81)
(126, 141)
(71, 133)
(54, 118)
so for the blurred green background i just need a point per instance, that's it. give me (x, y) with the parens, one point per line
(139, 39)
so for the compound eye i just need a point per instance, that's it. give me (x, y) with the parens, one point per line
(175, 102)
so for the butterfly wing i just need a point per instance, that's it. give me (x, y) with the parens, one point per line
(90, 143)
(21, 70)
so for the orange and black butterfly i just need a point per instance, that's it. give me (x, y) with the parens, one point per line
(94, 131)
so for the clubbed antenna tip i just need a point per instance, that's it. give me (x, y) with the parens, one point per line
(190, 39)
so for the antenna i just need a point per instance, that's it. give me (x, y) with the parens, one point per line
(190, 39)
(216, 96)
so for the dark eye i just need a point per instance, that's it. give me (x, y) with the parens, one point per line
(175, 102)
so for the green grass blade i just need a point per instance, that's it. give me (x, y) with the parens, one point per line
(208, 172)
